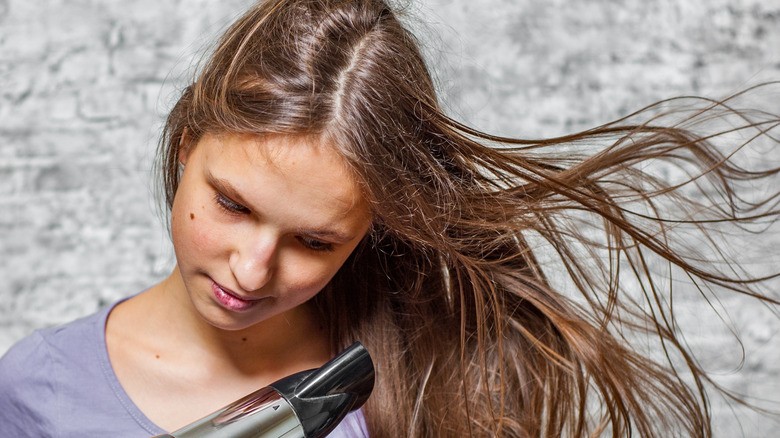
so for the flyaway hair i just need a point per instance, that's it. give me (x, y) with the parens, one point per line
(508, 287)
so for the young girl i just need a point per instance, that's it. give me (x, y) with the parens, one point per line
(318, 195)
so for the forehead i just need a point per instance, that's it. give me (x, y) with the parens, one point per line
(295, 165)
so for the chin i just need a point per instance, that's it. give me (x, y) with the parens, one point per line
(220, 318)
(231, 324)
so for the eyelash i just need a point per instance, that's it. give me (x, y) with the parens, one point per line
(315, 245)
(231, 207)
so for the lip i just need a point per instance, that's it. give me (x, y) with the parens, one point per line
(229, 300)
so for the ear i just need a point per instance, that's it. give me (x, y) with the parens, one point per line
(185, 146)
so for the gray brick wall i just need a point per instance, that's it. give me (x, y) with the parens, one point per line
(85, 84)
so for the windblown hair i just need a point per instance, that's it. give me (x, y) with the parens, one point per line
(507, 286)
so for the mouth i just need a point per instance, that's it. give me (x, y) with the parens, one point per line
(229, 300)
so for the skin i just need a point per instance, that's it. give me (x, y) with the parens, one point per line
(268, 220)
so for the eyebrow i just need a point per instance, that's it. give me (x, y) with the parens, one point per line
(329, 235)
(225, 187)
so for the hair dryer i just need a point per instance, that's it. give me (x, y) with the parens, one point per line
(308, 404)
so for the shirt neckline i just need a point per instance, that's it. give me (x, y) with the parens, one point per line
(113, 381)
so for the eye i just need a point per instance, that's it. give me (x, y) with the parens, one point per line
(315, 245)
(229, 206)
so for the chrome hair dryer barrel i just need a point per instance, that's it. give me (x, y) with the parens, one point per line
(309, 404)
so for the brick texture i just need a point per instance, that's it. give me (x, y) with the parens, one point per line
(85, 84)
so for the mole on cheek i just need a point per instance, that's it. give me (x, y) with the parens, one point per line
(192, 215)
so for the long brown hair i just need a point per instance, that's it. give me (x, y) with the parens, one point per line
(492, 289)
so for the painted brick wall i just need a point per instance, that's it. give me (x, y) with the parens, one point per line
(85, 84)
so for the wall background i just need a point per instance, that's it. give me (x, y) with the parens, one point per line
(84, 86)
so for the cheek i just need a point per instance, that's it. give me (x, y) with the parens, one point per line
(302, 279)
(190, 232)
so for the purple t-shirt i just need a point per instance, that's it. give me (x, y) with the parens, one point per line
(58, 382)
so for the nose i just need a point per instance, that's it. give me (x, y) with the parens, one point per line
(253, 260)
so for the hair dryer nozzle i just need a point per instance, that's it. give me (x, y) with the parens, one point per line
(322, 397)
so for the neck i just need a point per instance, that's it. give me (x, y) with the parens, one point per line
(292, 341)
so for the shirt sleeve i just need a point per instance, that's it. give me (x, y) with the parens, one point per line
(27, 393)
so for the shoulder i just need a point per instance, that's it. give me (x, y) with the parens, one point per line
(35, 370)
(58, 346)
(28, 357)
(25, 380)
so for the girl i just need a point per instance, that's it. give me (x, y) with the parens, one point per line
(318, 195)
